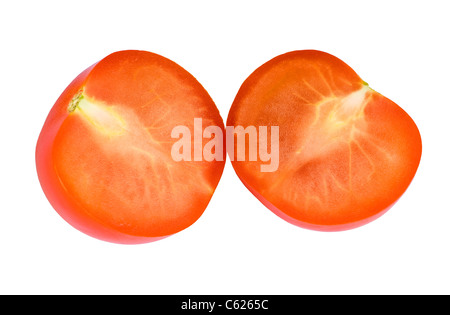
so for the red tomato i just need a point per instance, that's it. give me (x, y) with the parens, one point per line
(346, 153)
(104, 153)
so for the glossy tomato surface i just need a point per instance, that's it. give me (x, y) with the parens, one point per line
(346, 152)
(104, 153)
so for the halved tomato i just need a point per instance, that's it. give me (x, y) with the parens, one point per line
(346, 153)
(104, 154)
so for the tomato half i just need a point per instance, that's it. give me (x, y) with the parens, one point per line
(346, 153)
(104, 153)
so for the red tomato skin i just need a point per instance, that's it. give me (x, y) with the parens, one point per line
(60, 199)
(345, 224)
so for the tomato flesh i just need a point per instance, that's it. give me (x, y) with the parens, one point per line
(104, 154)
(346, 153)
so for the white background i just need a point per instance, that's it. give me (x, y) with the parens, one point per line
(238, 246)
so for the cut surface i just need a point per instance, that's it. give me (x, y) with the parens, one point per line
(112, 153)
(346, 152)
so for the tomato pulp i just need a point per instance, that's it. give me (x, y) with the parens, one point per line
(104, 153)
(346, 153)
